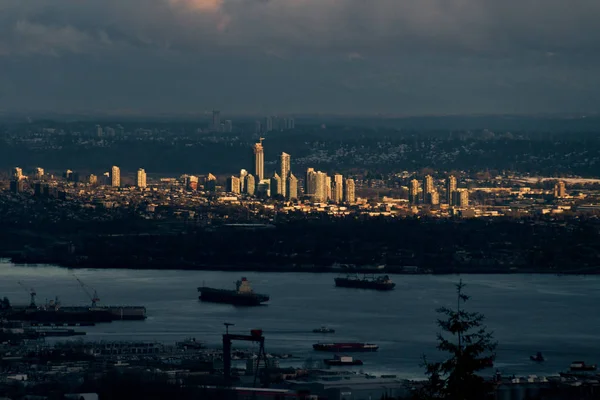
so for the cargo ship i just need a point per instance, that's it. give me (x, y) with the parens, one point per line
(366, 282)
(340, 361)
(345, 347)
(243, 295)
(56, 314)
(53, 312)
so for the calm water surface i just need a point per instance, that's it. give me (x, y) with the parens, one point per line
(528, 313)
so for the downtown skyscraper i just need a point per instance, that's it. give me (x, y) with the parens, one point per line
(284, 171)
(141, 178)
(115, 176)
(338, 188)
(259, 160)
(450, 188)
(216, 121)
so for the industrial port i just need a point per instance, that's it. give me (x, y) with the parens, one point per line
(36, 348)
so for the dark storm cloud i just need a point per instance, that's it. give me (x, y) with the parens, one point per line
(372, 49)
(386, 25)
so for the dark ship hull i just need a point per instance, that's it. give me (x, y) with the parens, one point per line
(59, 316)
(124, 313)
(363, 284)
(231, 297)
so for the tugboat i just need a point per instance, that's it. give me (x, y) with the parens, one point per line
(323, 329)
(538, 357)
(345, 347)
(580, 366)
(342, 360)
(367, 282)
(243, 295)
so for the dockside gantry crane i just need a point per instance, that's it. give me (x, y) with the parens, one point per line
(256, 336)
(32, 294)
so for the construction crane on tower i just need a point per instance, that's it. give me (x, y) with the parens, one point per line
(93, 297)
(31, 292)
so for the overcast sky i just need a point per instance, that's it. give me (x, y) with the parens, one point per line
(407, 57)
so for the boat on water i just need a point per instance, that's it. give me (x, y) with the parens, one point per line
(190, 343)
(55, 313)
(580, 366)
(537, 358)
(338, 361)
(323, 329)
(243, 295)
(118, 313)
(345, 347)
(368, 281)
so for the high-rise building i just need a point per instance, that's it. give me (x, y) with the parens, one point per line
(39, 173)
(99, 132)
(413, 192)
(68, 174)
(310, 182)
(320, 195)
(427, 188)
(284, 170)
(268, 124)
(460, 198)
(450, 187)
(141, 178)
(276, 185)
(191, 182)
(249, 184)
(18, 173)
(259, 160)
(233, 184)
(92, 179)
(216, 121)
(228, 126)
(243, 174)
(17, 185)
(338, 188)
(350, 191)
(106, 178)
(37, 189)
(290, 123)
(560, 190)
(292, 187)
(433, 198)
(263, 189)
(210, 184)
(329, 194)
(115, 176)
(257, 127)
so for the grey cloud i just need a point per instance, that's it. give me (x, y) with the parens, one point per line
(471, 26)
(444, 55)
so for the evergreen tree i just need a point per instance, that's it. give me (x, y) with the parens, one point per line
(470, 348)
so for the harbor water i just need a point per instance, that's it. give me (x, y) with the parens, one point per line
(556, 315)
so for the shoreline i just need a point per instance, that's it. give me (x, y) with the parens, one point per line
(390, 270)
